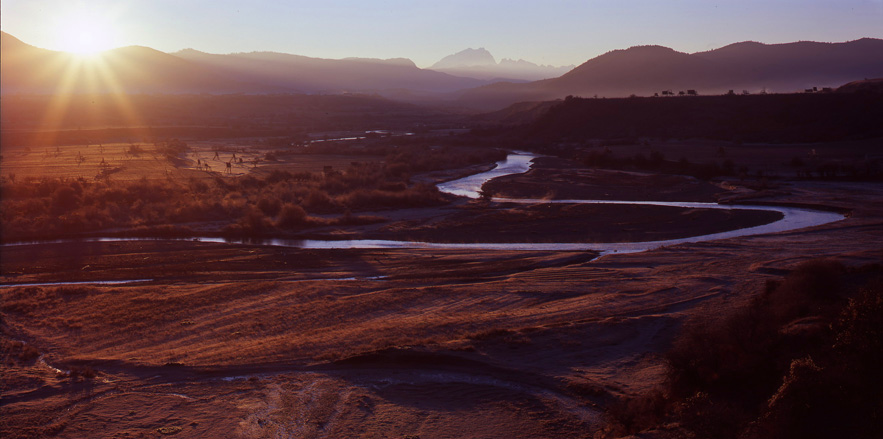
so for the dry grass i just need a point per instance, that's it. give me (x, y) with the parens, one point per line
(237, 323)
(159, 192)
(118, 161)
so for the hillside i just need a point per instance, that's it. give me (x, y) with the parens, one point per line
(28, 69)
(777, 118)
(641, 71)
(872, 86)
(136, 69)
(646, 70)
(312, 75)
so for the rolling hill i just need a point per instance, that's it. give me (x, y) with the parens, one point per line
(641, 70)
(645, 70)
(135, 69)
(314, 75)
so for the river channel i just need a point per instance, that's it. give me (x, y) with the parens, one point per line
(520, 162)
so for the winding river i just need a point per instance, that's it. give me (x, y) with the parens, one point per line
(519, 162)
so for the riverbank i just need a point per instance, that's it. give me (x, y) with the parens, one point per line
(250, 340)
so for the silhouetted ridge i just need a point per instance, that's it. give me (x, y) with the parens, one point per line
(314, 75)
(138, 69)
(865, 86)
(780, 118)
(133, 69)
(645, 70)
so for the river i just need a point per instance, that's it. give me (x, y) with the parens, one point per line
(520, 162)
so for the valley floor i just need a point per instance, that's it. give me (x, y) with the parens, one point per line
(223, 340)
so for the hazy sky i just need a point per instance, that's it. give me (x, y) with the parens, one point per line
(555, 32)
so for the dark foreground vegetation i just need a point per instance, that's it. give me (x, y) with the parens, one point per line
(278, 201)
(818, 136)
(862, 168)
(802, 360)
(774, 118)
(81, 119)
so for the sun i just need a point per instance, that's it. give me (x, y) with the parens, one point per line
(85, 34)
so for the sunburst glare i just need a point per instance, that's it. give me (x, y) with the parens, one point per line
(86, 33)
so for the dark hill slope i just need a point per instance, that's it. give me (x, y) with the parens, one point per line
(869, 86)
(646, 70)
(758, 118)
(28, 69)
(312, 75)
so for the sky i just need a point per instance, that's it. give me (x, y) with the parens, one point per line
(555, 32)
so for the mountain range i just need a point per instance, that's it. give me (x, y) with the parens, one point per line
(28, 69)
(647, 70)
(135, 69)
(642, 70)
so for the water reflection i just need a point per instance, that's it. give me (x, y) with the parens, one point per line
(792, 219)
(470, 186)
(516, 163)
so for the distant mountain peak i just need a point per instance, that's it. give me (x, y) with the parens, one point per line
(466, 58)
(480, 64)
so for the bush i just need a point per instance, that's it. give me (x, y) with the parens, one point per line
(291, 216)
(64, 200)
(725, 375)
(269, 206)
(633, 414)
(50, 208)
(254, 221)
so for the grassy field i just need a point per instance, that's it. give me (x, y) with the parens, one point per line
(119, 161)
(134, 161)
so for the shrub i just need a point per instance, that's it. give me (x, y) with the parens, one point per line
(860, 326)
(254, 221)
(291, 216)
(725, 374)
(633, 414)
(269, 206)
(86, 372)
(64, 200)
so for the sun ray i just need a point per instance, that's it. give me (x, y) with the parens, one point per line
(95, 76)
(118, 94)
(58, 105)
